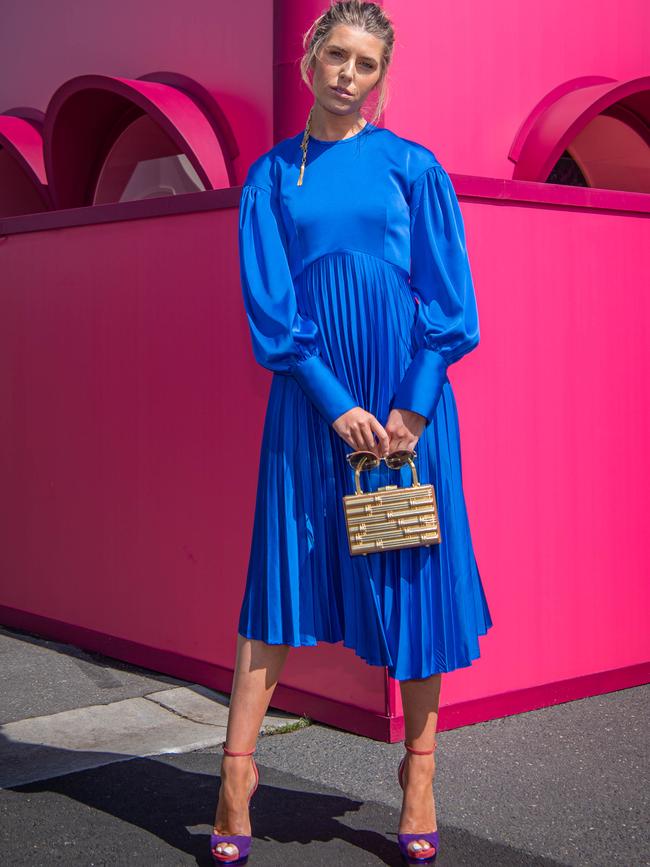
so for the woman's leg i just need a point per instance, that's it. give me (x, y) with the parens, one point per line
(420, 700)
(257, 671)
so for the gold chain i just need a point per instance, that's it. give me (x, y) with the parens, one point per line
(303, 145)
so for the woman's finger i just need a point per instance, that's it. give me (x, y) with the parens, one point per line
(368, 436)
(382, 436)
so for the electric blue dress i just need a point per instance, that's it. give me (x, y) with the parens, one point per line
(358, 292)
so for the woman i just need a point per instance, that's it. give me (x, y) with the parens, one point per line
(358, 293)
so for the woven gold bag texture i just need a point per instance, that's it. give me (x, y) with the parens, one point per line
(390, 517)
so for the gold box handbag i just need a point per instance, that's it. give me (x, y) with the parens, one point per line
(390, 517)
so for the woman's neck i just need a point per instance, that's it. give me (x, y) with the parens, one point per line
(327, 129)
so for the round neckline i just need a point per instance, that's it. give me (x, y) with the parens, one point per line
(336, 141)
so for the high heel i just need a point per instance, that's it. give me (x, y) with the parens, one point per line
(423, 856)
(241, 841)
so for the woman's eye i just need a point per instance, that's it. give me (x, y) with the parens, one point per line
(335, 52)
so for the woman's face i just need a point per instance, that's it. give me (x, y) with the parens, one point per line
(350, 59)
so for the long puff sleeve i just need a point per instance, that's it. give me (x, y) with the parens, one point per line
(284, 341)
(446, 325)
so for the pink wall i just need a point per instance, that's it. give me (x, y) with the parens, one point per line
(123, 350)
(130, 474)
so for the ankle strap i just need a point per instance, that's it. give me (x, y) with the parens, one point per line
(421, 752)
(231, 753)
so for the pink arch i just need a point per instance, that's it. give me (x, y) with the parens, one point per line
(87, 113)
(558, 118)
(20, 135)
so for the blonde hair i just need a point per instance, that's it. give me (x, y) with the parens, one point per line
(366, 16)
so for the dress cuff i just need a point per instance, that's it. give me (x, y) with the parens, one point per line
(421, 385)
(323, 388)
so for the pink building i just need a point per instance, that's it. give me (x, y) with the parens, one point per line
(127, 461)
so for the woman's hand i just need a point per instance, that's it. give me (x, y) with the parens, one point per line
(358, 428)
(404, 429)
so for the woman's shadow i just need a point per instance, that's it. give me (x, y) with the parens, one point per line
(174, 798)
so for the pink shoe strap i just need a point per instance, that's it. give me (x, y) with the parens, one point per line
(231, 753)
(421, 752)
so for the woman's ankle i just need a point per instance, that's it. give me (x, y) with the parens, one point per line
(419, 769)
(236, 775)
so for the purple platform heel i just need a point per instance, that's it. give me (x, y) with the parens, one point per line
(241, 841)
(423, 856)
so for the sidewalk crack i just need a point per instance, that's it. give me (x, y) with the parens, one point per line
(182, 715)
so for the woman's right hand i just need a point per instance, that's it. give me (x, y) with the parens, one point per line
(358, 428)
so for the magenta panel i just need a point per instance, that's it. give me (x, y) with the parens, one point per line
(131, 471)
(125, 358)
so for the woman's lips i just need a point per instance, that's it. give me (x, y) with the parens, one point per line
(342, 93)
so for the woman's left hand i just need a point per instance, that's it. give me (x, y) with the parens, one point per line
(404, 429)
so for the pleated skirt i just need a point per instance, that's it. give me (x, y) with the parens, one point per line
(417, 611)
